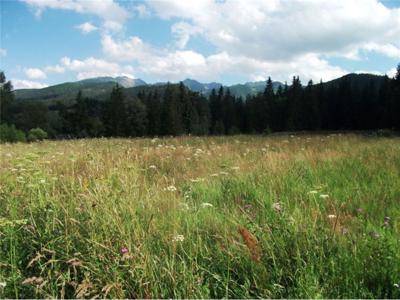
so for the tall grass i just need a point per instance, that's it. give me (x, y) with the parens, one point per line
(238, 217)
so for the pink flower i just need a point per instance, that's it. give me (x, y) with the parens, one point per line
(124, 250)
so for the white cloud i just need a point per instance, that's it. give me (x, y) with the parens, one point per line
(3, 52)
(86, 27)
(391, 73)
(165, 64)
(35, 73)
(142, 11)
(107, 10)
(183, 31)
(93, 67)
(389, 50)
(54, 69)
(27, 84)
(279, 29)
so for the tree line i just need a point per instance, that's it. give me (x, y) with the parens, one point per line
(344, 104)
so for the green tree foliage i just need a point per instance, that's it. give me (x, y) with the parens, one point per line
(6, 99)
(9, 134)
(136, 119)
(115, 117)
(352, 102)
(36, 134)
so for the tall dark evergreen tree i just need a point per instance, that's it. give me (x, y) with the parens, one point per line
(114, 117)
(6, 99)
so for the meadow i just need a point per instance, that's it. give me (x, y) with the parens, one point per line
(288, 216)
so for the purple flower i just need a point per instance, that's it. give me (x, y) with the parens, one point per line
(386, 221)
(247, 206)
(374, 235)
(124, 250)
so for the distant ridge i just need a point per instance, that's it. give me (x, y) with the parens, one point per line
(100, 87)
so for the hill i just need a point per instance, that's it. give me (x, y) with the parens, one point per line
(100, 87)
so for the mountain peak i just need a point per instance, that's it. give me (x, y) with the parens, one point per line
(124, 81)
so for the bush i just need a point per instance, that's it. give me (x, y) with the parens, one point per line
(10, 134)
(36, 134)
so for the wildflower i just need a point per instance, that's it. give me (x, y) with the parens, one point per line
(277, 206)
(171, 188)
(374, 235)
(313, 192)
(178, 238)
(324, 196)
(247, 206)
(386, 221)
(184, 206)
(331, 216)
(124, 250)
(206, 204)
(251, 242)
(197, 180)
(33, 280)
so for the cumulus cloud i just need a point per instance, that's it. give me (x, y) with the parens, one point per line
(141, 10)
(54, 69)
(86, 27)
(391, 73)
(165, 64)
(27, 84)
(35, 73)
(108, 10)
(3, 52)
(183, 31)
(280, 29)
(93, 67)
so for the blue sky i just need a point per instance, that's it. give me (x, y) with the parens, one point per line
(45, 42)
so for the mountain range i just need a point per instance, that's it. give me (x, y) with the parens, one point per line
(100, 87)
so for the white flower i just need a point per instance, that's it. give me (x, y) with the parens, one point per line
(206, 204)
(171, 188)
(178, 238)
(331, 216)
(313, 192)
(184, 206)
(277, 206)
(3, 284)
(324, 196)
(197, 180)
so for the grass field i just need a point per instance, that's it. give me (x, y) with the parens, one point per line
(283, 216)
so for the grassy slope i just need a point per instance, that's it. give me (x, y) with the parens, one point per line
(68, 208)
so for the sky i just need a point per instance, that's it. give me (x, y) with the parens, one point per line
(45, 42)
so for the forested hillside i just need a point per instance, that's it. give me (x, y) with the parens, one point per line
(352, 102)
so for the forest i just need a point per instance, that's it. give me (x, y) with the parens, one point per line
(349, 103)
